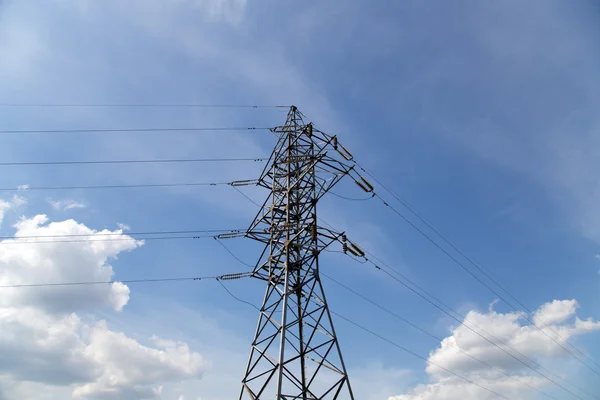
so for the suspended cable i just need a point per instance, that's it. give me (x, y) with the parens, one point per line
(134, 105)
(478, 267)
(13, 240)
(164, 161)
(85, 283)
(351, 198)
(24, 188)
(120, 234)
(31, 285)
(126, 130)
(235, 297)
(232, 253)
(246, 196)
(149, 185)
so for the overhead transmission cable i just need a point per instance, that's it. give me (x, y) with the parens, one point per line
(235, 297)
(15, 241)
(135, 105)
(150, 280)
(153, 161)
(24, 188)
(91, 238)
(32, 285)
(129, 130)
(351, 198)
(96, 234)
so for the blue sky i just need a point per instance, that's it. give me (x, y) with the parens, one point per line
(481, 115)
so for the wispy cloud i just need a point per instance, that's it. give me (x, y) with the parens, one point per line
(6, 205)
(64, 205)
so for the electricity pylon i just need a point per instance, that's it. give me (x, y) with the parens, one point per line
(295, 353)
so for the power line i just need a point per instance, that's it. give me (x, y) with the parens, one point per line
(126, 186)
(246, 196)
(31, 285)
(24, 188)
(12, 241)
(126, 130)
(134, 105)
(235, 297)
(154, 161)
(416, 355)
(85, 283)
(351, 198)
(232, 253)
(122, 233)
(479, 268)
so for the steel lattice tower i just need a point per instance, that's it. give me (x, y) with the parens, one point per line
(295, 353)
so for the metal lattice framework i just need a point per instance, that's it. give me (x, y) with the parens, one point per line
(295, 352)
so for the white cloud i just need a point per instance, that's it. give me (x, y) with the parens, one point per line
(63, 205)
(43, 342)
(510, 329)
(14, 202)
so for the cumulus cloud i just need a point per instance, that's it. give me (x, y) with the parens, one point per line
(63, 205)
(510, 329)
(42, 338)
